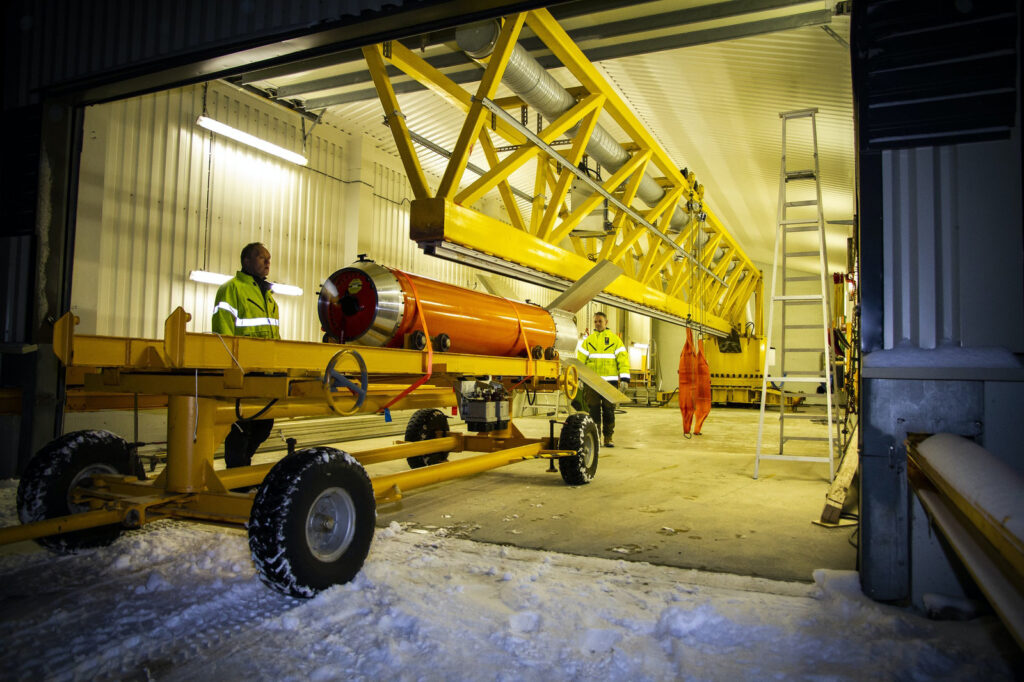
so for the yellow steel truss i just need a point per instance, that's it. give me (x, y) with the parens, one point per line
(657, 275)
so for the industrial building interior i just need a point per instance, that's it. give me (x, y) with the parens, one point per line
(415, 151)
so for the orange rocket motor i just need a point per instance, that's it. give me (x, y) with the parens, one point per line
(687, 382)
(371, 305)
(702, 405)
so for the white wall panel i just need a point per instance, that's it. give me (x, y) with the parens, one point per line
(160, 197)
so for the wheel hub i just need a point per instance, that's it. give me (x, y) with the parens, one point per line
(82, 478)
(331, 524)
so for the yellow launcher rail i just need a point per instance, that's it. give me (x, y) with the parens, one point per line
(675, 272)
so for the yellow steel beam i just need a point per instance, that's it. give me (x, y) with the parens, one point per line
(667, 202)
(713, 290)
(437, 220)
(635, 165)
(509, 199)
(540, 183)
(210, 352)
(565, 178)
(623, 226)
(515, 160)
(452, 443)
(386, 487)
(741, 294)
(475, 117)
(396, 121)
(417, 68)
(563, 47)
(61, 524)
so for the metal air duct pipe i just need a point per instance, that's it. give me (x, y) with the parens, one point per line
(531, 83)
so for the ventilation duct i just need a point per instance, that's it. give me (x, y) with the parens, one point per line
(535, 86)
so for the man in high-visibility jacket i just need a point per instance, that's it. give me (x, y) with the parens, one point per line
(244, 306)
(604, 352)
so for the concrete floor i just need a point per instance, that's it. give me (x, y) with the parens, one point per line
(656, 497)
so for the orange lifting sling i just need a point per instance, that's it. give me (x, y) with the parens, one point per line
(703, 397)
(687, 382)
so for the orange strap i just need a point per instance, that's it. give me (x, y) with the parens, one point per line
(526, 344)
(430, 346)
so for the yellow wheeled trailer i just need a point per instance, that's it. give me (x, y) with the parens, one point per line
(311, 520)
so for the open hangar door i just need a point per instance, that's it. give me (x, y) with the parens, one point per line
(161, 198)
(263, 212)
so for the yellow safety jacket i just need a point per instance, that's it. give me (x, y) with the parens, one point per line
(243, 308)
(605, 353)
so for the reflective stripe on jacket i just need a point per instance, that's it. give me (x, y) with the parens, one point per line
(243, 309)
(605, 353)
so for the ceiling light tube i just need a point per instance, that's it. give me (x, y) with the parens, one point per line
(251, 140)
(208, 277)
(218, 278)
(285, 289)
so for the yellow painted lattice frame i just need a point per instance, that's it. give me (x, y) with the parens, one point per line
(655, 275)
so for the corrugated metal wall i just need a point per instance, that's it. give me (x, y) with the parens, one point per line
(160, 197)
(953, 253)
(920, 238)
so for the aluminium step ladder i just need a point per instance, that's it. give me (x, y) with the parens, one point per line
(799, 212)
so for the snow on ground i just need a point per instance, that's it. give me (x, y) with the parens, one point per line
(181, 601)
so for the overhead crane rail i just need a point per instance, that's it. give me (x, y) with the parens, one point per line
(668, 249)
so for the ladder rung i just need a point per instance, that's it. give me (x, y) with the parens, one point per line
(795, 379)
(812, 228)
(798, 297)
(808, 278)
(796, 458)
(809, 438)
(802, 254)
(798, 113)
(800, 175)
(801, 415)
(803, 350)
(803, 326)
(801, 221)
(807, 373)
(807, 202)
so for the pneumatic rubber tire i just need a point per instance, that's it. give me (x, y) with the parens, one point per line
(64, 464)
(424, 425)
(579, 433)
(312, 522)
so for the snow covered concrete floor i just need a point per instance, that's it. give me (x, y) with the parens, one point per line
(181, 601)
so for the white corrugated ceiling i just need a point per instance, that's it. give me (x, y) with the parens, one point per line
(713, 104)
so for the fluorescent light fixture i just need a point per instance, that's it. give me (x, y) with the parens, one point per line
(218, 278)
(208, 277)
(251, 140)
(285, 289)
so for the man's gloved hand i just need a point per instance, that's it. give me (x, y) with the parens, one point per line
(623, 385)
